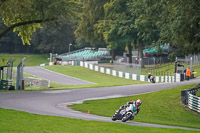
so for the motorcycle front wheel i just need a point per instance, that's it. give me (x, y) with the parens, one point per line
(126, 117)
(114, 118)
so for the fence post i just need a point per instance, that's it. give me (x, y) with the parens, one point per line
(19, 80)
(184, 97)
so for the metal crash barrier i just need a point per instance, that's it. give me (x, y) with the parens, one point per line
(189, 98)
(6, 85)
(6, 82)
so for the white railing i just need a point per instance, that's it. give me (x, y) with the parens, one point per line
(194, 102)
(189, 98)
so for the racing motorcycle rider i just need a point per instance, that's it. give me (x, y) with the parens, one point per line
(136, 105)
(151, 78)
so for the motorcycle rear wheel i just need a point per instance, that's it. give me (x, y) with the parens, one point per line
(126, 117)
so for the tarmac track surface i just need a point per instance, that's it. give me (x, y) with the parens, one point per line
(54, 76)
(54, 102)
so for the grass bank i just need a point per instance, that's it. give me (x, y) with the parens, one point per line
(167, 69)
(100, 80)
(21, 122)
(31, 60)
(162, 107)
(198, 93)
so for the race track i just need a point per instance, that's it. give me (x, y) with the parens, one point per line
(54, 102)
(54, 76)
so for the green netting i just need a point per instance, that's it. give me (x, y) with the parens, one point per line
(84, 55)
(154, 49)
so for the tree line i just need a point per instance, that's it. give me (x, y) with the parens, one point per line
(115, 24)
(44, 25)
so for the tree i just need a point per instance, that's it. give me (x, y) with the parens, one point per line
(92, 11)
(54, 39)
(144, 23)
(11, 43)
(179, 24)
(113, 26)
(25, 16)
(128, 23)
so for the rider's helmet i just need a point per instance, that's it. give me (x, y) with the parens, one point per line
(138, 102)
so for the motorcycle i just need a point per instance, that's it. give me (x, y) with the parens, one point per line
(152, 79)
(127, 113)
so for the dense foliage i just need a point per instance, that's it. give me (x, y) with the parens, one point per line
(25, 16)
(115, 24)
(140, 23)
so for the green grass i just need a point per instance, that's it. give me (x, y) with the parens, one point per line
(162, 107)
(36, 60)
(159, 70)
(197, 69)
(21, 122)
(198, 93)
(167, 69)
(31, 60)
(101, 80)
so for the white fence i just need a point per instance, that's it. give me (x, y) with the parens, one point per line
(132, 76)
(189, 98)
(194, 102)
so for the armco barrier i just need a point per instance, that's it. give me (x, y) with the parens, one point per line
(188, 98)
(5, 84)
(175, 78)
(194, 102)
(92, 66)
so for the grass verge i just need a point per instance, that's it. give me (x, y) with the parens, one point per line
(21, 122)
(100, 80)
(162, 107)
(198, 93)
(31, 60)
(168, 69)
